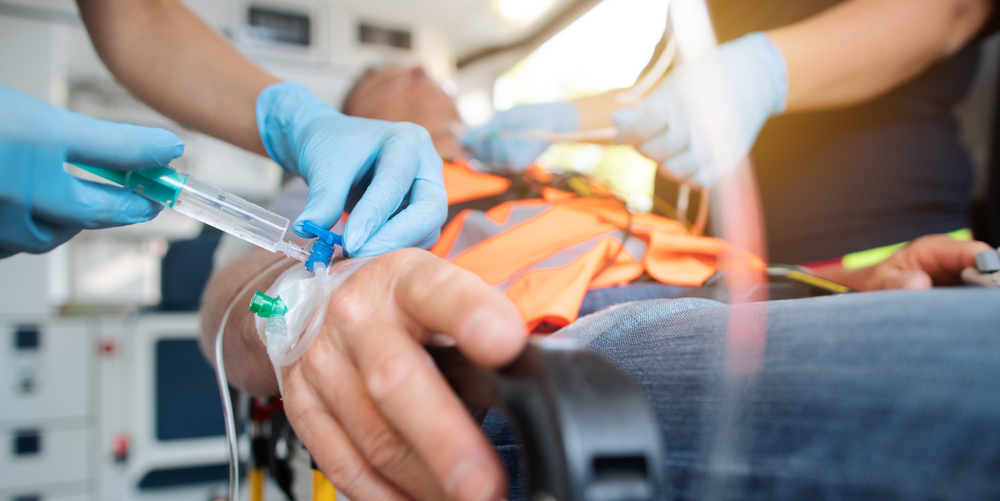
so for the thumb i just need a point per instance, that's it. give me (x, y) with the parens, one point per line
(98, 205)
(625, 121)
(116, 146)
(324, 204)
(895, 278)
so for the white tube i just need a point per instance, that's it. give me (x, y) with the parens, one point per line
(220, 374)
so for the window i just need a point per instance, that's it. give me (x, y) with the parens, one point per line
(605, 49)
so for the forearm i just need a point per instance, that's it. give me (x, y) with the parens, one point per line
(167, 57)
(595, 111)
(247, 364)
(861, 49)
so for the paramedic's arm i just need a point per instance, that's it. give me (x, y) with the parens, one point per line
(860, 49)
(934, 260)
(366, 399)
(852, 52)
(171, 60)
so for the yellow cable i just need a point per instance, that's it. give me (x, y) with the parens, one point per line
(322, 488)
(255, 477)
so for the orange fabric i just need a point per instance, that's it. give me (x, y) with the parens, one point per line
(449, 234)
(463, 184)
(546, 253)
(555, 295)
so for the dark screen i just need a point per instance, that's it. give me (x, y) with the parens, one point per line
(270, 25)
(187, 397)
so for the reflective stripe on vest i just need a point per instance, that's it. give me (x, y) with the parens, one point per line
(546, 253)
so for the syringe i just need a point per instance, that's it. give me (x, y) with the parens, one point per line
(208, 204)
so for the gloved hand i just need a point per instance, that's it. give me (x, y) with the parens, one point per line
(665, 126)
(515, 153)
(41, 206)
(370, 168)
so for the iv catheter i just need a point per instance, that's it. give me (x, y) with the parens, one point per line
(208, 204)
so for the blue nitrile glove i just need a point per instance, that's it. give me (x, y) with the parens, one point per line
(751, 69)
(512, 153)
(370, 168)
(41, 206)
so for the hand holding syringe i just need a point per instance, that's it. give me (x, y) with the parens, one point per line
(211, 206)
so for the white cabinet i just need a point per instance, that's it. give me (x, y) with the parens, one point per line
(43, 455)
(44, 370)
(46, 386)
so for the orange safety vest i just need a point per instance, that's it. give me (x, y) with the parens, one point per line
(545, 253)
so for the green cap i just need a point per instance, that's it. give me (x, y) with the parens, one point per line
(159, 184)
(266, 307)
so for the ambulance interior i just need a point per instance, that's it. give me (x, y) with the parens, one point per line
(105, 392)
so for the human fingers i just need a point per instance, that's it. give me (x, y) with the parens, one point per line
(940, 256)
(684, 165)
(92, 205)
(669, 142)
(927, 261)
(479, 140)
(325, 199)
(418, 225)
(431, 239)
(449, 300)
(329, 444)
(402, 379)
(522, 152)
(406, 147)
(352, 407)
(638, 124)
(115, 145)
(890, 277)
(24, 233)
(425, 211)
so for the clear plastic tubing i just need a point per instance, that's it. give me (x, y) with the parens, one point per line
(208, 204)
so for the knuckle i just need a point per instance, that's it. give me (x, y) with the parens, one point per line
(385, 449)
(349, 308)
(411, 131)
(400, 259)
(316, 360)
(387, 375)
(344, 473)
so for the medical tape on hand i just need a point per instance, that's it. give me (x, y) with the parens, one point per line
(306, 297)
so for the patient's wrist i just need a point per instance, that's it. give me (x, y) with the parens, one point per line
(292, 309)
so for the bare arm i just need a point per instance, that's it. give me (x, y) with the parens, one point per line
(366, 400)
(861, 49)
(247, 364)
(171, 60)
(853, 52)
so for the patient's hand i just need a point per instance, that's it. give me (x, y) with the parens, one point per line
(368, 401)
(922, 264)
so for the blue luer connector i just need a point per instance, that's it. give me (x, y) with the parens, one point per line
(322, 248)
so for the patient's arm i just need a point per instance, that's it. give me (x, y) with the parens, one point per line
(366, 399)
(246, 358)
(922, 264)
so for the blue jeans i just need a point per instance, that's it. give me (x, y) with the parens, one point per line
(887, 395)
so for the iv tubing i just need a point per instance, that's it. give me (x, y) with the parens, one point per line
(635, 94)
(584, 136)
(220, 374)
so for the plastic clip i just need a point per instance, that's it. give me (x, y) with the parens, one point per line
(322, 247)
(266, 306)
